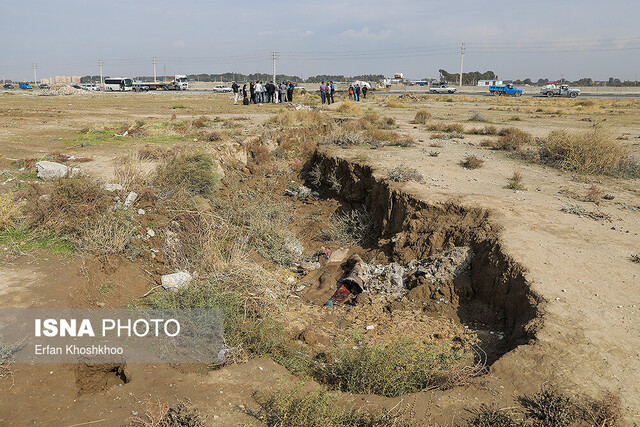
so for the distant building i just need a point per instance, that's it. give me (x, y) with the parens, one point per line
(61, 79)
(489, 82)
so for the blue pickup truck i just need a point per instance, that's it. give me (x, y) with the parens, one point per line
(506, 90)
(24, 85)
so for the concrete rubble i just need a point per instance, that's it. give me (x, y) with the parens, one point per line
(51, 170)
(175, 281)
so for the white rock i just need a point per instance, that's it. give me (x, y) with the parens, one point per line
(151, 233)
(131, 198)
(175, 281)
(112, 187)
(370, 328)
(141, 212)
(52, 170)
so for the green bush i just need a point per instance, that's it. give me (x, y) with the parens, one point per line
(293, 408)
(400, 367)
(192, 172)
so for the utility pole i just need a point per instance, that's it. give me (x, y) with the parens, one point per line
(154, 70)
(461, 62)
(101, 79)
(35, 77)
(274, 66)
(165, 72)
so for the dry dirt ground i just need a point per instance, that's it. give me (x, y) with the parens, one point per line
(588, 335)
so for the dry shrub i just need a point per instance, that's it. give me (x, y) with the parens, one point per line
(192, 172)
(303, 117)
(487, 130)
(595, 194)
(296, 142)
(212, 136)
(350, 107)
(512, 139)
(72, 202)
(393, 102)
(477, 117)
(471, 162)
(259, 153)
(403, 173)
(137, 130)
(354, 227)
(442, 127)
(153, 153)
(548, 407)
(9, 210)
(108, 234)
(344, 138)
(422, 117)
(593, 152)
(200, 122)
(135, 171)
(515, 182)
(159, 414)
(490, 416)
(605, 412)
(379, 138)
(488, 143)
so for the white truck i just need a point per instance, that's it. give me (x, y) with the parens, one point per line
(179, 82)
(442, 88)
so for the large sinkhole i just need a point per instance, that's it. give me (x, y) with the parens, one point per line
(490, 295)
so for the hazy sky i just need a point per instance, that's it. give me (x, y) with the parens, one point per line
(536, 39)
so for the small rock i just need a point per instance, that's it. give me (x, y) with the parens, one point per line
(338, 255)
(130, 200)
(141, 212)
(112, 187)
(370, 328)
(175, 281)
(151, 233)
(45, 197)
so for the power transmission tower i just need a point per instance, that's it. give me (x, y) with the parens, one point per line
(101, 79)
(154, 70)
(35, 77)
(461, 62)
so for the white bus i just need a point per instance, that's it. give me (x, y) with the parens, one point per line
(118, 84)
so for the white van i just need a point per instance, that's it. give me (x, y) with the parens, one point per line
(120, 84)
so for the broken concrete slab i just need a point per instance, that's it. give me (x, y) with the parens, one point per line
(52, 170)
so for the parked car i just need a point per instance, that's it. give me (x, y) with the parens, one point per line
(140, 87)
(442, 88)
(24, 85)
(8, 86)
(90, 86)
(76, 86)
(222, 89)
(44, 86)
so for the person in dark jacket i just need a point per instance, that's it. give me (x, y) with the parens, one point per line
(332, 90)
(290, 87)
(364, 91)
(235, 89)
(252, 90)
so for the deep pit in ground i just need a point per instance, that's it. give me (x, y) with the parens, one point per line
(490, 297)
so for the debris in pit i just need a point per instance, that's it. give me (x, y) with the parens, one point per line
(351, 282)
(394, 281)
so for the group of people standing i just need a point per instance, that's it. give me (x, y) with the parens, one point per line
(266, 92)
(326, 93)
(354, 92)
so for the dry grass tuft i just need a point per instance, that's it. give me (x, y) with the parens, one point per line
(595, 194)
(472, 162)
(422, 117)
(403, 173)
(512, 139)
(593, 152)
(605, 412)
(134, 171)
(190, 171)
(515, 182)
(9, 210)
(350, 107)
